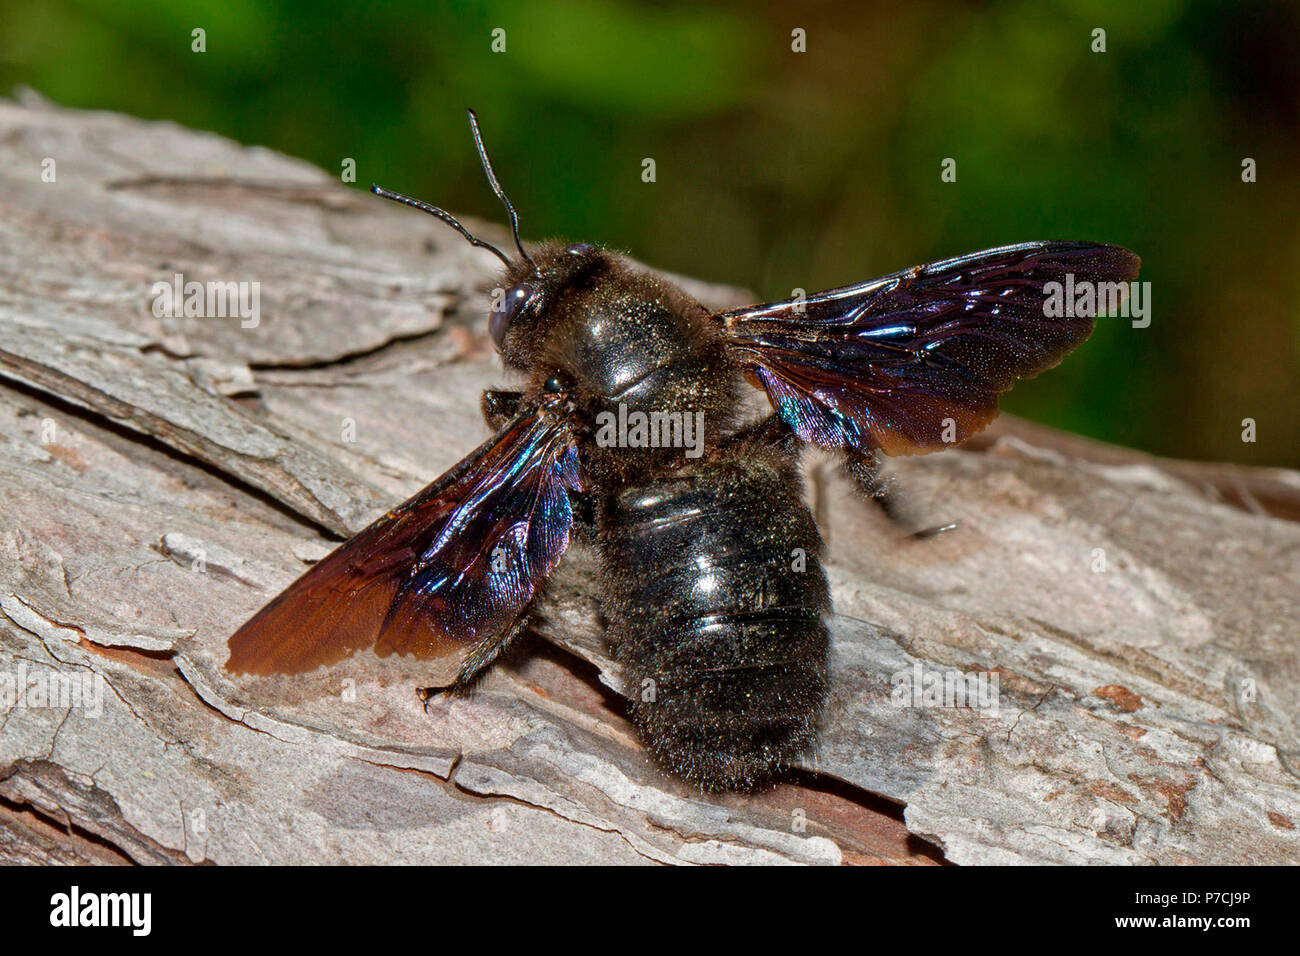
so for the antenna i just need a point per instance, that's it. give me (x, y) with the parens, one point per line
(449, 219)
(496, 187)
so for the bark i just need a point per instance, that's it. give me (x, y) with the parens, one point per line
(163, 477)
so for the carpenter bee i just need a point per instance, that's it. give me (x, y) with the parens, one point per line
(625, 431)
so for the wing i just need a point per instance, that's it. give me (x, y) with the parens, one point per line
(452, 566)
(882, 365)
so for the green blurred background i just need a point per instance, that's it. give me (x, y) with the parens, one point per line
(778, 169)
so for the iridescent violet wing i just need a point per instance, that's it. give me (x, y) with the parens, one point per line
(455, 564)
(882, 365)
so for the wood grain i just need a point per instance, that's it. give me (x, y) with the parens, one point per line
(162, 477)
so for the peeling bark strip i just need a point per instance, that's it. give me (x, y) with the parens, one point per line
(161, 476)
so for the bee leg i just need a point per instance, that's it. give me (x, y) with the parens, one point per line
(499, 406)
(772, 431)
(864, 468)
(481, 655)
(583, 504)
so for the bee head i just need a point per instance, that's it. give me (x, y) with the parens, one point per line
(524, 278)
(533, 294)
(538, 292)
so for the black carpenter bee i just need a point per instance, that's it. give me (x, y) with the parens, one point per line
(625, 431)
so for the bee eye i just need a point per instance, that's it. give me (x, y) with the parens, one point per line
(516, 297)
(578, 248)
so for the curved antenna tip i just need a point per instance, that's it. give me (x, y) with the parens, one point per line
(442, 214)
(496, 186)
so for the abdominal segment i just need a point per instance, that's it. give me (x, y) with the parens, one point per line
(714, 596)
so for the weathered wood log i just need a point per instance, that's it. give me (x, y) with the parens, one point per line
(162, 477)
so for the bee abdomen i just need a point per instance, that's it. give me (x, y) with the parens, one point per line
(714, 596)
